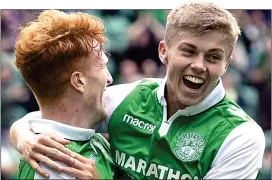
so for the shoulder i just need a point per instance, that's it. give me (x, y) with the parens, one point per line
(232, 113)
(127, 88)
(114, 95)
(150, 82)
(240, 155)
(248, 135)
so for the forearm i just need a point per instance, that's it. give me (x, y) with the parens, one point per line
(19, 131)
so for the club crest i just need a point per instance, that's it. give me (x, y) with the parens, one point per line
(189, 147)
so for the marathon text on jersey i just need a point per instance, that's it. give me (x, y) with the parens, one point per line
(154, 170)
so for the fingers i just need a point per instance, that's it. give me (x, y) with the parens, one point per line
(81, 163)
(37, 168)
(53, 146)
(59, 139)
(43, 159)
(50, 142)
(46, 144)
(78, 164)
(82, 168)
(88, 172)
(54, 141)
(56, 154)
(82, 159)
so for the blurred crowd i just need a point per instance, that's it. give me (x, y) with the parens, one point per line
(133, 37)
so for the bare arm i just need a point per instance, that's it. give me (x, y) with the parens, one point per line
(33, 147)
(18, 130)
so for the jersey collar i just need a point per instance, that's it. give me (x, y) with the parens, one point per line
(39, 125)
(213, 98)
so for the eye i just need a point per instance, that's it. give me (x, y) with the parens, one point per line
(188, 52)
(213, 58)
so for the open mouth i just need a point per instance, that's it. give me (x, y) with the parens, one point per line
(192, 82)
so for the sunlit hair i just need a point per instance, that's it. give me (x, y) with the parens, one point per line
(198, 18)
(50, 48)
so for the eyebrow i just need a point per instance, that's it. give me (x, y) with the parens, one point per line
(216, 49)
(194, 47)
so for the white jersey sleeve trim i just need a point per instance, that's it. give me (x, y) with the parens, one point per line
(241, 154)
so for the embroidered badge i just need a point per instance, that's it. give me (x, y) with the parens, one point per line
(189, 147)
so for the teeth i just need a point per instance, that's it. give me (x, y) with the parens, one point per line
(194, 79)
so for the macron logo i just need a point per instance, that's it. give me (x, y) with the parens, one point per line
(137, 123)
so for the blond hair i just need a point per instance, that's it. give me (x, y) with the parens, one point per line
(48, 49)
(198, 18)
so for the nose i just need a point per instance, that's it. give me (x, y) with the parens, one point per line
(198, 64)
(109, 78)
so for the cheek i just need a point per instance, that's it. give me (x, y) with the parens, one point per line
(176, 67)
(215, 72)
(98, 78)
(174, 75)
(178, 61)
(102, 75)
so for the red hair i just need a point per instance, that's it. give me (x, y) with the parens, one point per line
(50, 48)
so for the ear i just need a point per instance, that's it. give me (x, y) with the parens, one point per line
(227, 65)
(78, 81)
(163, 52)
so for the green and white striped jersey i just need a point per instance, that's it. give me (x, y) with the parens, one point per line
(82, 141)
(213, 139)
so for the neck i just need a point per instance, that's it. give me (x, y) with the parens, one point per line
(172, 103)
(70, 113)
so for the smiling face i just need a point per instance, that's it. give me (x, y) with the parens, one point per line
(194, 64)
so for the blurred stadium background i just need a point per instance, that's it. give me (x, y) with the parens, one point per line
(133, 40)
